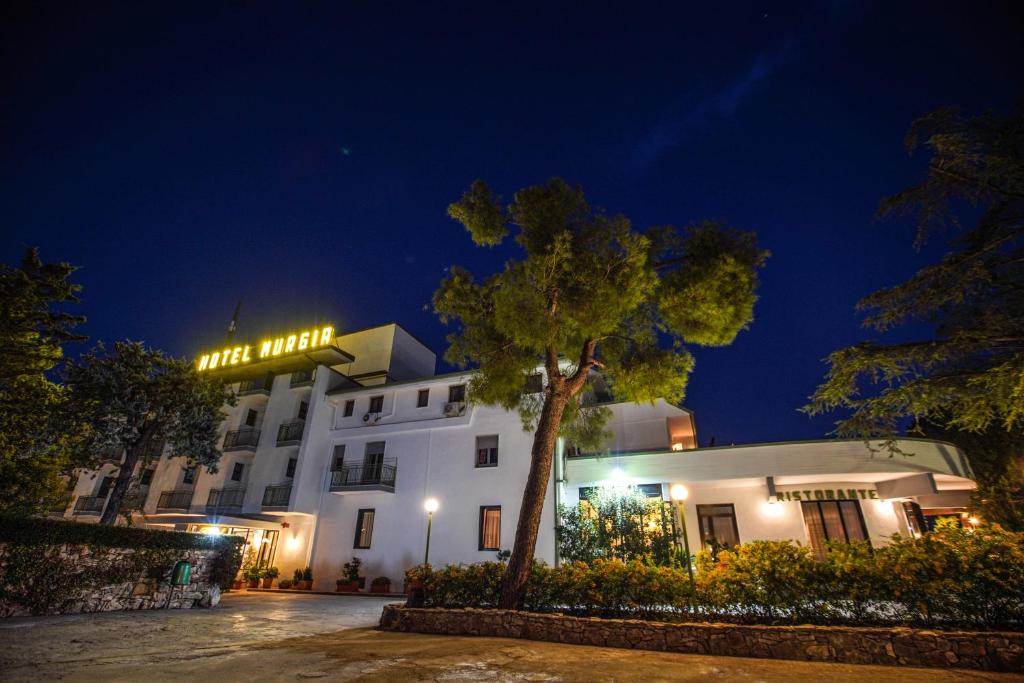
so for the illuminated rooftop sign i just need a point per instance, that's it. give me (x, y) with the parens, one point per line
(273, 347)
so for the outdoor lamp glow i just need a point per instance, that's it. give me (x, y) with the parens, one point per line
(212, 531)
(430, 505)
(678, 492)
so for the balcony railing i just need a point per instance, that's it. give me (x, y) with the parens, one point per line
(301, 378)
(90, 505)
(225, 500)
(245, 439)
(290, 433)
(174, 500)
(277, 496)
(373, 477)
(249, 387)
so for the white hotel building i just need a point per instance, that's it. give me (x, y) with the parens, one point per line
(331, 452)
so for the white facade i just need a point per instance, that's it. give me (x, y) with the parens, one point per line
(370, 440)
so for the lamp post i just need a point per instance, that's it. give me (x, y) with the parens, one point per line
(678, 493)
(430, 505)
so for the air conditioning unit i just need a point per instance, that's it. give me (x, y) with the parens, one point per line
(454, 409)
(371, 417)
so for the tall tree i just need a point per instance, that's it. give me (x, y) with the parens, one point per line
(587, 292)
(35, 441)
(133, 397)
(968, 374)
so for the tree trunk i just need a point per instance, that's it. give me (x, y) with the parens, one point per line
(124, 477)
(513, 584)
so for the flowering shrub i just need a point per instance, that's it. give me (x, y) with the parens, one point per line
(950, 578)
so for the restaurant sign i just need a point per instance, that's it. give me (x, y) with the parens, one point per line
(835, 493)
(270, 347)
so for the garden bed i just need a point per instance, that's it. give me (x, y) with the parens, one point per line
(989, 650)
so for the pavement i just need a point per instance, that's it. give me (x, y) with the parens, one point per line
(286, 637)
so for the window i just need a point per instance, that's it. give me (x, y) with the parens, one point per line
(422, 398)
(189, 477)
(236, 471)
(534, 384)
(250, 417)
(303, 409)
(490, 527)
(350, 406)
(373, 462)
(457, 393)
(339, 457)
(289, 471)
(105, 487)
(147, 476)
(832, 520)
(364, 529)
(718, 526)
(376, 404)
(487, 451)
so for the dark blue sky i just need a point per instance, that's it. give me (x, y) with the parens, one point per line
(190, 155)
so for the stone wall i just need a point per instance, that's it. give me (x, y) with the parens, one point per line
(137, 593)
(893, 646)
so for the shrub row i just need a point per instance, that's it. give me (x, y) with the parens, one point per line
(950, 578)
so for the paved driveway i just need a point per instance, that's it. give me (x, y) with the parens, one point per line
(284, 637)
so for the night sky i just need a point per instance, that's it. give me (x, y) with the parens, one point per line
(300, 157)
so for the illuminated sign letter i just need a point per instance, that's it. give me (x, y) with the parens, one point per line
(203, 362)
(303, 341)
(245, 354)
(325, 336)
(278, 344)
(236, 355)
(289, 345)
(265, 349)
(214, 357)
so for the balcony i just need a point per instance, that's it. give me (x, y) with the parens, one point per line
(174, 501)
(363, 477)
(90, 505)
(290, 433)
(225, 501)
(301, 378)
(251, 387)
(277, 497)
(245, 439)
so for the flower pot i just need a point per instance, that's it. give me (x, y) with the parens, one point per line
(347, 587)
(414, 586)
(380, 587)
(268, 583)
(254, 583)
(304, 585)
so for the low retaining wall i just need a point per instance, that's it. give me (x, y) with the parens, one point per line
(993, 651)
(137, 593)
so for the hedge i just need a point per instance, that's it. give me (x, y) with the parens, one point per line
(35, 573)
(952, 578)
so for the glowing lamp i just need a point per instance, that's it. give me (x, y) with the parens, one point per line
(430, 505)
(678, 492)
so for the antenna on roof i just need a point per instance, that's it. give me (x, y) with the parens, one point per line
(234, 321)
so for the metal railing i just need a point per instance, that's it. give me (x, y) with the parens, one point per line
(277, 496)
(221, 500)
(301, 378)
(380, 474)
(255, 386)
(174, 500)
(90, 505)
(290, 432)
(246, 438)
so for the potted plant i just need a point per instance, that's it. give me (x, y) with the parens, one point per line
(248, 562)
(269, 575)
(284, 584)
(253, 576)
(349, 581)
(297, 579)
(307, 579)
(381, 584)
(415, 576)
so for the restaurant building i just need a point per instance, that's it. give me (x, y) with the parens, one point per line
(337, 440)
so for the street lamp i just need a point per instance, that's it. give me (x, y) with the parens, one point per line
(679, 493)
(430, 505)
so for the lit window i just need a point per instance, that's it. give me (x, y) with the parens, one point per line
(718, 526)
(487, 451)
(832, 520)
(364, 529)
(490, 527)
